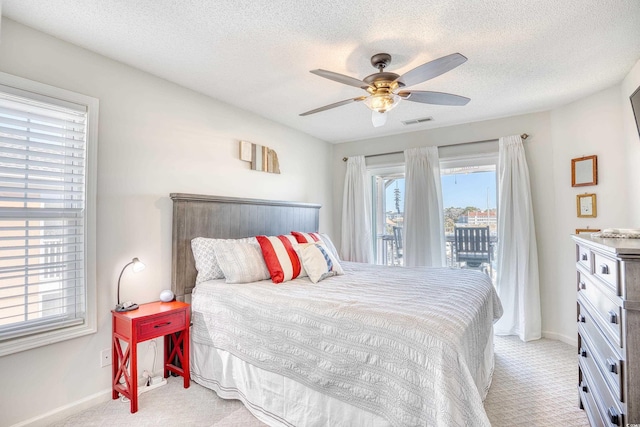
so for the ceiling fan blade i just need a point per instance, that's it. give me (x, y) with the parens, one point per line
(340, 78)
(432, 69)
(334, 105)
(436, 98)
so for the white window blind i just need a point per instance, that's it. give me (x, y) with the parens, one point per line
(42, 213)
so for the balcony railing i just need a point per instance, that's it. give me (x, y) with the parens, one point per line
(389, 254)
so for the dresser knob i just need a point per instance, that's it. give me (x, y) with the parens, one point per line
(583, 285)
(604, 269)
(583, 352)
(585, 257)
(582, 319)
(614, 417)
(585, 388)
(613, 317)
(613, 366)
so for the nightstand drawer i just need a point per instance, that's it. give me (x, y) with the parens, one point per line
(161, 325)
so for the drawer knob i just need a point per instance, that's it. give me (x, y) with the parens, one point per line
(604, 269)
(613, 366)
(583, 352)
(161, 325)
(613, 317)
(583, 285)
(582, 319)
(614, 417)
(585, 257)
(585, 388)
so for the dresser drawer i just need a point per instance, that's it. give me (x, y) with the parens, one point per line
(583, 257)
(608, 270)
(161, 325)
(607, 405)
(593, 344)
(588, 403)
(604, 308)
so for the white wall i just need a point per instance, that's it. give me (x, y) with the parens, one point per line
(154, 138)
(632, 141)
(592, 125)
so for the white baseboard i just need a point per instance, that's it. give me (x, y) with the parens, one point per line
(66, 411)
(73, 408)
(559, 337)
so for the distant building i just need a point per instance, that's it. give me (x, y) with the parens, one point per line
(480, 218)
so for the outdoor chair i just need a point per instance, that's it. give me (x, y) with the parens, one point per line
(473, 246)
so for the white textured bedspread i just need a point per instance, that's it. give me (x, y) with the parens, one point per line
(405, 343)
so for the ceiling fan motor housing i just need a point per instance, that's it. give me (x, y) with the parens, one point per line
(381, 60)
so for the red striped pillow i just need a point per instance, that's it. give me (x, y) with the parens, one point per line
(306, 237)
(316, 237)
(281, 259)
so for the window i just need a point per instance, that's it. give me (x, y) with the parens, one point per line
(48, 146)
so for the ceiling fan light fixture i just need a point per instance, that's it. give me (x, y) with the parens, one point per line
(378, 119)
(382, 102)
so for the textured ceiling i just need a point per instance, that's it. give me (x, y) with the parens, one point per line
(524, 56)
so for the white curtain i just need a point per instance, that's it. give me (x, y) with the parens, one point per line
(423, 213)
(356, 213)
(517, 281)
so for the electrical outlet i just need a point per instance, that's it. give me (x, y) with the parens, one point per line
(105, 357)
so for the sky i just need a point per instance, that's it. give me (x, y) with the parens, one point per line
(458, 191)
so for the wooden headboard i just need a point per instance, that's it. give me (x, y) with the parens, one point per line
(218, 217)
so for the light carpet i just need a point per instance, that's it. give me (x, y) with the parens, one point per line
(534, 385)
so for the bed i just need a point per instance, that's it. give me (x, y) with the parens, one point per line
(377, 346)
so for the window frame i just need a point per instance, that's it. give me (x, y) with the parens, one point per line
(89, 326)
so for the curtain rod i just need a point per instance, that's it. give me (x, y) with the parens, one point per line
(523, 136)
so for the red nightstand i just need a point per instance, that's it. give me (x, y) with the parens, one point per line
(156, 319)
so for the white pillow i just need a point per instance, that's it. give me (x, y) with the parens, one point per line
(204, 254)
(318, 261)
(241, 262)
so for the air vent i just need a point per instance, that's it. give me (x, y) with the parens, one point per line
(416, 121)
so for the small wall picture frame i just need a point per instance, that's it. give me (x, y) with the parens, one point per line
(584, 171)
(587, 230)
(245, 151)
(586, 205)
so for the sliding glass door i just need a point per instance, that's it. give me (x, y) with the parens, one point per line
(388, 214)
(469, 191)
(470, 216)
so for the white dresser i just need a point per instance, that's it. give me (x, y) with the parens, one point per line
(608, 281)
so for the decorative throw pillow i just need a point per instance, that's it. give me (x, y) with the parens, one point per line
(316, 237)
(241, 262)
(306, 237)
(281, 258)
(205, 257)
(318, 261)
(327, 241)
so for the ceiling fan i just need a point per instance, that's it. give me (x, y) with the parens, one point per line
(383, 86)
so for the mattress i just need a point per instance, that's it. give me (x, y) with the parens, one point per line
(404, 346)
